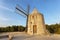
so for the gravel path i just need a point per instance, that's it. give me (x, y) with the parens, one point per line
(36, 37)
(24, 36)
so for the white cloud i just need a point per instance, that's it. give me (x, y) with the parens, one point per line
(3, 19)
(6, 8)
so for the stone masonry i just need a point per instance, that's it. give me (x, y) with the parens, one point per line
(36, 25)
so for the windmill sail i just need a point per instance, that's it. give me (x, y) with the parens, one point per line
(21, 11)
(18, 6)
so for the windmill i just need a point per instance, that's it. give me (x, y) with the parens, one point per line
(35, 21)
(24, 12)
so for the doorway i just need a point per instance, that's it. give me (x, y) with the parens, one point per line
(34, 29)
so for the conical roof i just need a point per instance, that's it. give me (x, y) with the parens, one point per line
(35, 11)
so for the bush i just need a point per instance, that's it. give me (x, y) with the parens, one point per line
(12, 29)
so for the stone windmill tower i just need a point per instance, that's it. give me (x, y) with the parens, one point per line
(36, 23)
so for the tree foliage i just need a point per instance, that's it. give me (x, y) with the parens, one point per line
(12, 28)
(54, 28)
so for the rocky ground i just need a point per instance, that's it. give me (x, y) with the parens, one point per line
(24, 36)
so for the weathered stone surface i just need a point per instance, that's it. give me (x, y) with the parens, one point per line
(36, 23)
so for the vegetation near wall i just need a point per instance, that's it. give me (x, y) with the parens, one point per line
(54, 28)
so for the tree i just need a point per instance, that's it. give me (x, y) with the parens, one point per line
(21, 28)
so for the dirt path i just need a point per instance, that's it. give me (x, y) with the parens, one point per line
(24, 36)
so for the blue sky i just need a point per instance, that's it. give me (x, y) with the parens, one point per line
(49, 8)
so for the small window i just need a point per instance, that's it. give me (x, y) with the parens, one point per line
(32, 16)
(31, 22)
